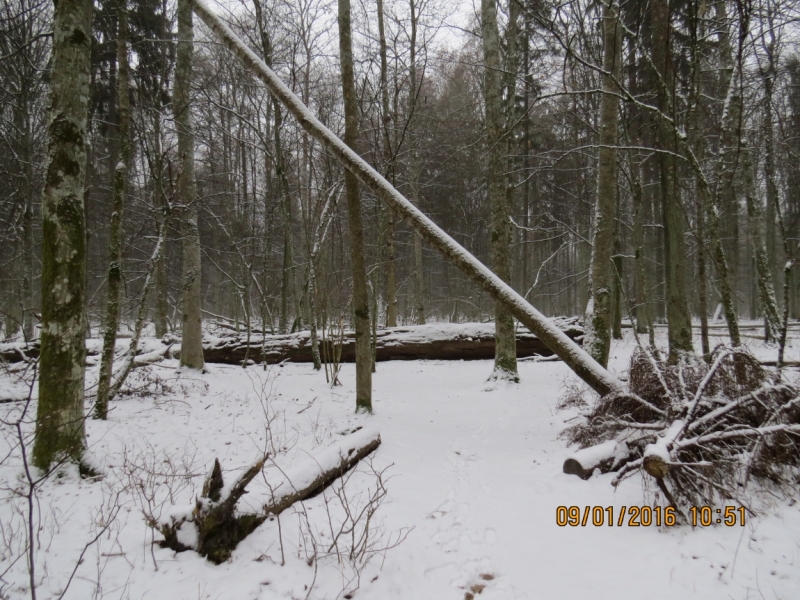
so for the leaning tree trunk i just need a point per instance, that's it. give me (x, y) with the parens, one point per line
(114, 279)
(505, 359)
(678, 317)
(360, 292)
(62, 364)
(192, 336)
(598, 311)
(598, 378)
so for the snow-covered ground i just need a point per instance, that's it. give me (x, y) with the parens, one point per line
(473, 476)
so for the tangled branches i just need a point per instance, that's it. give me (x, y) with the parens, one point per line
(703, 432)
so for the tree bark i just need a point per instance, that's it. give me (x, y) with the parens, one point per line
(399, 343)
(766, 291)
(598, 312)
(192, 336)
(360, 292)
(59, 417)
(388, 124)
(120, 183)
(678, 316)
(413, 168)
(161, 202)
(505, 360)
(576, 358)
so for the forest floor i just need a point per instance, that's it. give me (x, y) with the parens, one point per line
(474, 478)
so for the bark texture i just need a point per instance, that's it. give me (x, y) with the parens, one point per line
(59, 417)
(391, 278)
(360, 291)
(120, 184)
(678, 316)
(399, 343)
(598, 314)
(192, 336)
(505, 359)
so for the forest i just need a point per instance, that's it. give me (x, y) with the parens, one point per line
(241, 221)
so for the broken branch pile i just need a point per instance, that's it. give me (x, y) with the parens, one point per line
(701, 431)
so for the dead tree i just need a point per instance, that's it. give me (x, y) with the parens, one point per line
(215, 525)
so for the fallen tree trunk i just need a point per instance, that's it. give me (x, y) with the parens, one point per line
(606, 456)
(440, 341)
(597, 377)
(216, 523)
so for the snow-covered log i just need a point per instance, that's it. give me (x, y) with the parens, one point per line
(434, 341)
(573, 355)
(218, 521)
(605, 456)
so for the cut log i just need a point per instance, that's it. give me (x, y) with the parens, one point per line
(437, 341)
(607, 457)
(218, 521)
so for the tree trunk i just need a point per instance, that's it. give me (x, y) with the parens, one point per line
(642, 310)
(161, 202)
(192, 336)
(360, 293)
(576, 358)
(319, 238)
(678, 316)
(417, 342)
(697, 145)
(505, 360)
(766, 291)
(59, 417)
(598, 312)
(413, 168)
(120, 184)
(388, 124)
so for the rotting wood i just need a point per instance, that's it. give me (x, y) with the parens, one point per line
(218, 524)
(399, 343)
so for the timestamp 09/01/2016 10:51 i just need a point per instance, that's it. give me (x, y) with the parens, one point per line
(645, 516)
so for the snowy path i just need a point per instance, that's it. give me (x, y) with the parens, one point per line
(479, 473)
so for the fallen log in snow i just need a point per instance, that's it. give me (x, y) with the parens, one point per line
(606, 456)
(436, 341)
(217, 522)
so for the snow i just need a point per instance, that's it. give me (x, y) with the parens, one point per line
(476, 474)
